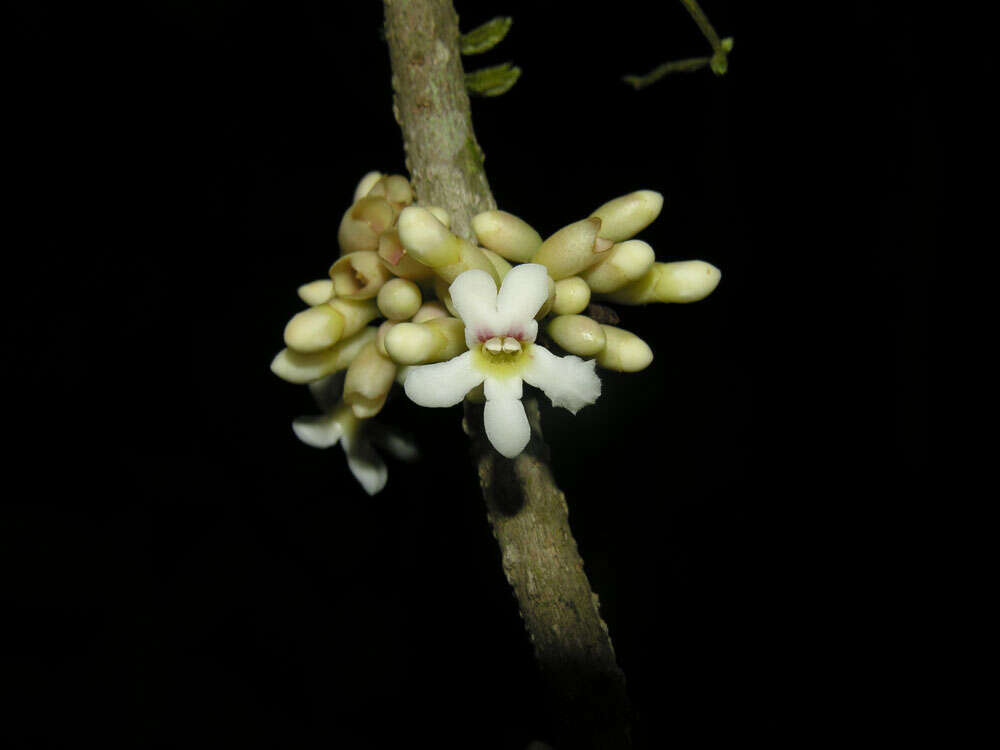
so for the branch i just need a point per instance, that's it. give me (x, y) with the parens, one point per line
(525, 508)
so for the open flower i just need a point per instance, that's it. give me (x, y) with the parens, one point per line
(338, 424)
(500, 331)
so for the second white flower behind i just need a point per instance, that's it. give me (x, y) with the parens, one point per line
(500, 331)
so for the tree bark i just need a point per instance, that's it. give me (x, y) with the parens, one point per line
(525, 508)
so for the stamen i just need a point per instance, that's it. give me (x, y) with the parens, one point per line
(494, 345)
(511, 345)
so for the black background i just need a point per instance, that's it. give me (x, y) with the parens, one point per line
(181, 571)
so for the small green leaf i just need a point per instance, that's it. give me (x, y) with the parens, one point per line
(492, 81)
(485, 37)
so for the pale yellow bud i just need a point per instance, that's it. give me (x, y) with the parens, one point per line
(623, 351)
(316, 292)
(623, 264)
(300, 367)
(440, 214)
(572, 249)
(314, 329)
(499, 264)
(362, 224)
(627, 215)
(572, 296)
(395, 189)
(470, 257)
(368, 380)
(427, 239)
(429, 311)
(399, 299)
(396, 259)
(357, 313)
(380, 336)
(681, 281)
(365, 184)
(358, 275)
(578, 334)
(436, 340)
(506, 235)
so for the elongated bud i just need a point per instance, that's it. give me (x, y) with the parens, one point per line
(572, 296)
(506, 235)
(572, 249)
(623, 264)
(499, 264)
(395, 189)
(440, 214)
(427, 239)
(357, 313)
(546, 307)
(365, 184)
(628, 215)
(681, 281)
(429, 311)
(399, 299)
(358, 275)
(436, 340)
(300, 367)
(362, 224)
(398, 261)
(578, 334)
(369, 378)
(317, 328)
(623, 351)
(316, 292)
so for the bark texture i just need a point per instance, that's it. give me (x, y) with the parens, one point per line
(526, 510)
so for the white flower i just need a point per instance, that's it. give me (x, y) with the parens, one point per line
(339, 424)
(500, 330)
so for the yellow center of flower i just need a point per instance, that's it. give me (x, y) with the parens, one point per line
(501, 357)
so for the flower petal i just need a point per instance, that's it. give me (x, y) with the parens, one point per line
(503, 389)
(366, 465)
(569, 382)
(474, 297)
(319, 432)
(443, 383)
(507, 426)
(524, 290)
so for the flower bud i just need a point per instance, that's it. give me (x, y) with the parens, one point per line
(627, 215)
(572, 296)
(436, 340)
(357, 313)
(300, 367)
(380, 336)
(399, 299)
(623, 351)
(397, 260)
(623, 264)
(317, 328)
(549, 301)
(395, 189)
(578, 334)
(358, 275)
(499, 264)
(316, 292)
(429, 311)
(681, 281)
(572, 249)
(427, 239)
(369, 378)
(440, 214)
(506, 235)
(365, 184)
(362, 224)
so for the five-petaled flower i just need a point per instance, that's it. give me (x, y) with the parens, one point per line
(500, 331)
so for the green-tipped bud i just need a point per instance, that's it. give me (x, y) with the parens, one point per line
(485, 37)
(628, 215)
(429, 311)
(314, 329)
(572, 249)
(362, 224)
(300, 367)
(436, 340)
(397, 260)
(506, 235)
(365, 184)
(358, 275)
(399, 299)
(578, 334)
(427, 239)
(572, 296)
(316, 292)
(681, 281)
(626, 262)
(357, 313)
(499, 264)
(369, 378)
(623, 351)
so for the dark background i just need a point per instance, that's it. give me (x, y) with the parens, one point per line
(181, 571)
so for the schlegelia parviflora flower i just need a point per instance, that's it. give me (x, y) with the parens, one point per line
(458, 313)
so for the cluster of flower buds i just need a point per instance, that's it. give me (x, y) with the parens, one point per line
(461, 318)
